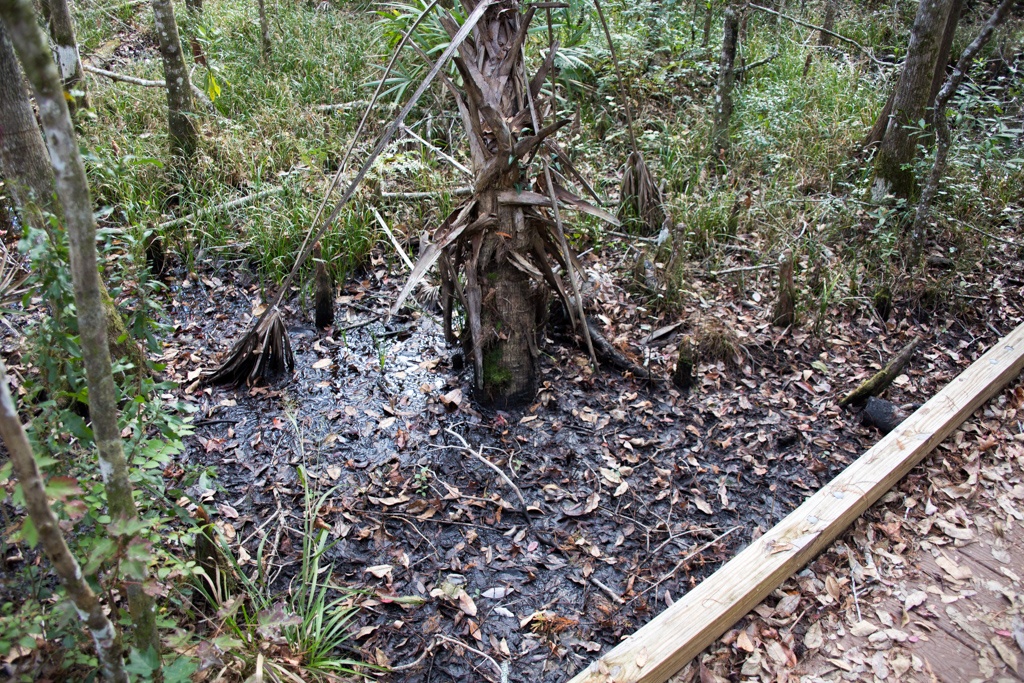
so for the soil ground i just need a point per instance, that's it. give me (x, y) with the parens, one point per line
(636, 491)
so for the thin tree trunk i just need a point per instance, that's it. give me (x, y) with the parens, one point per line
(910, 102)
(942, 136)
(62, 30)
(181, 129)
(945, 48)
(24, 163)
(264, 30)
(73, 192)
(709, 13)
(91, 612)
(726, 80)
(828, 23)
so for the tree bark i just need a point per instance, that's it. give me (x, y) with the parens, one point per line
(69, 62)
(264, 30)
(91, 612)
(910, 102)
(877, 132)
(726, 80)
(73, 192)
(828, 23)
(24, 163)
(181, 129)
(709, 13)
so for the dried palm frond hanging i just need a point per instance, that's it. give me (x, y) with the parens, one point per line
(265, 351)
(640, 200)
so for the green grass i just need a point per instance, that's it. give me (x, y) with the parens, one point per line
(267, 131)
(793, 134)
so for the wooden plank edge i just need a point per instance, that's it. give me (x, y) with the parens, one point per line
(663, 646)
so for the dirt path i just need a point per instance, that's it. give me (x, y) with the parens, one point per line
(927, 586)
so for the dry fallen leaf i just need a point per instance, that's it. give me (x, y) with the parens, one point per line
(813, 639)
(863, 629)
(466, 604)
(380, 570)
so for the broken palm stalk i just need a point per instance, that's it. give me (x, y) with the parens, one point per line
(640, 199)
(265, 351)
(504, 250)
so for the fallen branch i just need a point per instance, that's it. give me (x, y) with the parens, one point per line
(753, 65)
(822, 29)
(457, 192)
(883, 378)
(114, 76)
(609, 354)
(217, 208)
(741, 269)
(146, 83)
(608, 591)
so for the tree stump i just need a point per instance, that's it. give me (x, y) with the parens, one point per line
(784, 314)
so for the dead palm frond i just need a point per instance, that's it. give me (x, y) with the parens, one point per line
(640, 198)
(265, 351)
(640, 201)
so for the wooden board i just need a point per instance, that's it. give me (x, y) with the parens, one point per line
(677, 635)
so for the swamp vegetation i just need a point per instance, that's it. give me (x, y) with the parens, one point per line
(451, 340)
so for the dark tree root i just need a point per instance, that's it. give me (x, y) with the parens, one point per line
(606, 353)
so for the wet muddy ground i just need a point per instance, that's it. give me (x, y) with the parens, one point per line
(635, 491)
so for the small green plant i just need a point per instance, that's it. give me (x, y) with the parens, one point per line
(381, 346)
(421, 480)
(310, 623)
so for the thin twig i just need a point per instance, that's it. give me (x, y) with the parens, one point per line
(415, 663)
(480, 456)
(608, 591)
(631, 238)
(501, 671)
(457, 192)
(687, 558)
(851, 41)
(754, 65)
(997, 238)
(394, 242)
(447, 157)
(741, 269)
